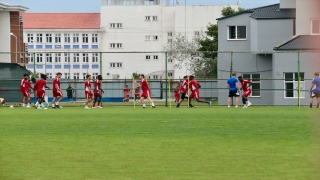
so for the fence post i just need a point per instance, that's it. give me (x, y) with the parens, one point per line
(299, 81)
(34, 65)
(166, 64)
(101, 64)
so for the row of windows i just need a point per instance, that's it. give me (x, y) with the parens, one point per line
(58, 57)
(153, 18)
(64, 66)
(50, 46)
(148, 57)
(116, 45)
(48, 38)
(75, 75)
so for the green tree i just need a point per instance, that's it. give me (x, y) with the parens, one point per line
(135, 75)
(227, 11)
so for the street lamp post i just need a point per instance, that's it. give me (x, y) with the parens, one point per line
(11, 34)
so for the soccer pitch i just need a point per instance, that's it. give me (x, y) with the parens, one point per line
(162, 143)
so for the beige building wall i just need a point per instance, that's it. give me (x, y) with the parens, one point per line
(5, 36)
(285, 4)
(306, 11)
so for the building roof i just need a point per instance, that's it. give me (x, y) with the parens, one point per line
(267, 12)
(61, 21)
(301, 42)
(5, 6)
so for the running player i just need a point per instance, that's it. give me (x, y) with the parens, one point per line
(97, 92)
(245, 86)
(176, 94)
(126, 92)
(56, 91)
(312, 95)
(1, 99)
(40, 86)
(88, 91)
(316, 91)
(183, 90)
(195, 93)
(137, 93)
(145, 91)
(24, 90)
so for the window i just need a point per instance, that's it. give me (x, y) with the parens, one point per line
(76, 75)
(237, 32)
(94, 38)
(57, 57)
(67, 38)
(197, 33)
(116, 65)
(119, 25)
(169, 40)
(112, 25)
(119, 65)
(39, 58)
(147, 38)
(30, 58)
(155, 38)
(170, 74)
(39, 38)
(76, 57)
(115, 45)
(315, 26)
(49, 38)
(67, 75)
(95, 57)
(49, 58)
(148, 57)
(75, 38)
(112, 65)
(170, 61)
(155, 18)
(30, 38)
(85, 38)
(58, 38)
(256, 84)
(85, 57)
(49, 75)
(66, 58)
(155, 76)
(112, 45)
(148, 18)
(291, 84)
(115, 76)
(84, 75)
(94, 75)
(170, 34)
(156, 57)
(119, 45)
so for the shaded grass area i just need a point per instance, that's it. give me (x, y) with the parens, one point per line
(161, 143)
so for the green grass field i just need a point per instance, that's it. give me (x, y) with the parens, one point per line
(162, 143)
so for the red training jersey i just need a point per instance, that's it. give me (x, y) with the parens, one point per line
(41, 85)
(126, 90)
(184, 87)
(97, 85)
(144, 85)
(137, 90)
(194, 85)
(176, 91)
(25, 85)
(54, 83)
(87, 86)
(244, 84)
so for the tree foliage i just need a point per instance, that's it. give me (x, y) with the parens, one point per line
(227, 11)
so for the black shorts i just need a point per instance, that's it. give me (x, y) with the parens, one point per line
(183, 96)
(233, 94)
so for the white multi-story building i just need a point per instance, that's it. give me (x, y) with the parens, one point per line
(63, 42)
(147, 26)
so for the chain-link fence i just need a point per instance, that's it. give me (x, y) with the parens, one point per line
(278, 78)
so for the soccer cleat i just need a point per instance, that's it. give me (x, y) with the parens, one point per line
(237, 106)
(94, 108)
(245, 106)
(28, 106)
(99, 107)
(45, 108)
(144, 107)
(153, 106)
(38, 107)
(57, 106)
(249, 104)
(228, 106)
(86, 108)
(53, 107)
(209, 103)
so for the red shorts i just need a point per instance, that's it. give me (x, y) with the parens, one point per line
(177, 96)
(25, 93)
(97, 93)
(195, 94)
(145, 94)
(57, 93)
(41, 94)
(246, 93)
(88, 94)
(137, 95)
(127, 96)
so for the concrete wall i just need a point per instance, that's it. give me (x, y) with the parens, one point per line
(234, 45)
(306, 10)
(5, 36)
(285, 4)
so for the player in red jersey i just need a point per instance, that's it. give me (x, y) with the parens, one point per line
(1, 99)
(126, 92)
(40, 86)
(97, 92)
(145, 91)
(195, 93)
(88, 91)
(176, 94)
(56, 91)
(137, 93)
(24, 90)
(246, 91)
(183, 90)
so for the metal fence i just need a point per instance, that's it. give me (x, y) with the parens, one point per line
(279, 78)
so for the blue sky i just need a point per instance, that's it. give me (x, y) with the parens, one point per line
(94, 5)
